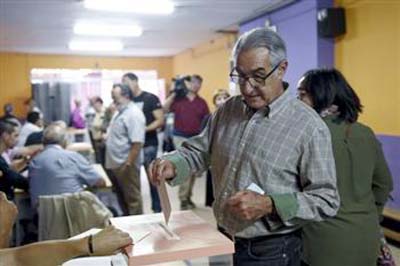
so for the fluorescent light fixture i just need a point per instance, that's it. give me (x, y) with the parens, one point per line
(98, 46)
(94, 29)
(134, 6)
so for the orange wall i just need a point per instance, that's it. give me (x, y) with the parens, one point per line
(369, 57)
(15, 71)
(211, 61)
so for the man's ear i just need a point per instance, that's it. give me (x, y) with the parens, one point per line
(282, 69)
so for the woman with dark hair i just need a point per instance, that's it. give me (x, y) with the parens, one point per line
(364, 181)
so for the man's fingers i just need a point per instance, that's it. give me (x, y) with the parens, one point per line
(161, 169)
(153, 171)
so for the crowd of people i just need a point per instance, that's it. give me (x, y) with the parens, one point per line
(293, 181)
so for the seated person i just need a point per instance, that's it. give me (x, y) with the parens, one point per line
(9, 179)
(50, 253)
(36, 138)
(34, 123)
(56, 170)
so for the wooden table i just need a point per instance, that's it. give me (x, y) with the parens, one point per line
(188, 237)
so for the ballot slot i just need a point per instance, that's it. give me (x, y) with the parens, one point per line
(170, 235)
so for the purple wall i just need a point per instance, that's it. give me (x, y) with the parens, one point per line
(391, 148)
(297, 25)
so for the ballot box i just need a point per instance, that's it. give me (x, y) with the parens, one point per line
(185, 237)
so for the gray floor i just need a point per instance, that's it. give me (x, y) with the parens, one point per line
(201, 210)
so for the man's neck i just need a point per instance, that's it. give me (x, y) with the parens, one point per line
(122, 105)
(191, 95)
(137, 92)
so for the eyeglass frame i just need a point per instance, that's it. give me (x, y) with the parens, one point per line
(247, 78)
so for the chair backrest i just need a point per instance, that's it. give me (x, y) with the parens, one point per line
(66, 215)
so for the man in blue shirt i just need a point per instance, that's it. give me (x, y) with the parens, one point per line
(56, 171)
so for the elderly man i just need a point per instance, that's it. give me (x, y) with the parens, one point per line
(56, 170)
(154, 115)
(270, 155)
(123, 146)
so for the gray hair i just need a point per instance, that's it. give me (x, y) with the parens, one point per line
(55, 134)
(125, 90)
(261, 38)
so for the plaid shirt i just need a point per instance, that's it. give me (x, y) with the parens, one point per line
(285, 149)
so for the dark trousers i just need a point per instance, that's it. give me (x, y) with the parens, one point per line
(150, 154)
(209, 190)
(277, 250)
(99, 151)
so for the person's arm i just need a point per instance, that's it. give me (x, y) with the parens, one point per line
(382, 182)
(87, 172)
(191, 158)
(133, 153)
(319, 197)
(31, 151)
(158, 120)
(50, 253)
(18, 165)
(168, 102)
(13, 178)
(136, 126)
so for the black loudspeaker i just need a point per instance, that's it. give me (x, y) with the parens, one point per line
(331, 22)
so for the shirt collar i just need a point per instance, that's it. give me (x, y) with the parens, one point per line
(55, 146)
(273, 108)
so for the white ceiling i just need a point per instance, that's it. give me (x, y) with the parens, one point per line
(46, 26)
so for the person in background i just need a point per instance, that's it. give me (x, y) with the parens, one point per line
(364, 181)
(219, 98)
(189, 114)
(56, 171)
(34, 123)
(90, 111)
(109, 114)
(124, 142)
(96, 130)
(152, 110)
(36, 138)
(31, 106)
(77, 120)
(270, 157)
(10, 178)
(9, 114)
(55, 252)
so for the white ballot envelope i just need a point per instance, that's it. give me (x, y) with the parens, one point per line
(164, 200)
(255, 188)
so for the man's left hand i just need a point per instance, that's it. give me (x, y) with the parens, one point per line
(249, 205)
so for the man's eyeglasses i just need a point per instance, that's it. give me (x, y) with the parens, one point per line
(254, 81)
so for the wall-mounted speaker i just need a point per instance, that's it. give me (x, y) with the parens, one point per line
(331, 22)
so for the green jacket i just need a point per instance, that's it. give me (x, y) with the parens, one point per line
(351, 238)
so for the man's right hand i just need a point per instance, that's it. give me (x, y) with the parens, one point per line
(161, 170)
